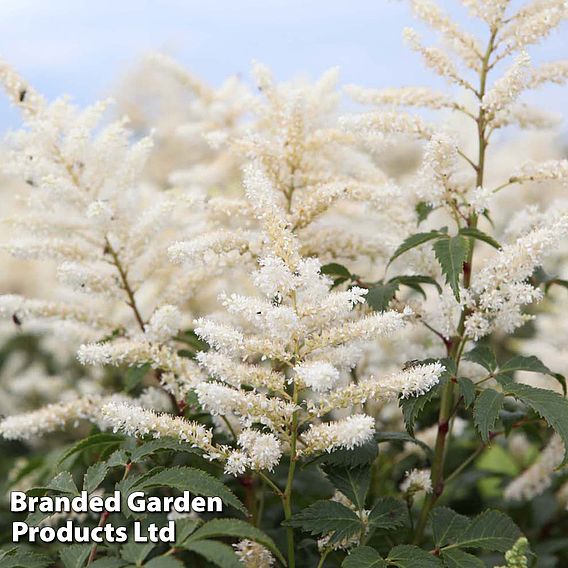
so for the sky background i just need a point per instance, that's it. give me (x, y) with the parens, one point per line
(82, 47)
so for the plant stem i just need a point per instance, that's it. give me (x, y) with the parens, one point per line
(125, 283)
(322, 559)
(456, 347)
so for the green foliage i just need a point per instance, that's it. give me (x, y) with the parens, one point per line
(75, 555)
(486, 411)
(380, 295)
(388, 513)
(546, 403)
(414, 241)
(190, 479)
(475, 233)
(353, 482)
(451, 253)
(16, 557)
(409, 556)
(364, 557)
(232, 528)
(218, 553)
(491, 530)
(325, 517)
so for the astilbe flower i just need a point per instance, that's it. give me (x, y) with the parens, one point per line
(538, 477)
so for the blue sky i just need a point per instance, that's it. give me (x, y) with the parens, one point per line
(82, 47)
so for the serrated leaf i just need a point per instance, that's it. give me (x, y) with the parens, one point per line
(18, 558)
(95, 441)
(134, 376)
(94, 476)
(235, 528)
(388, 513)
(63, 482)
(467, 390)
(193, 480)
(118, 457)
(451, 254)
(491, 530)
(480, 236)
(357, 456)
(108, 562)
(74, 555)
(136, 552)
(482, 355)
(414, 241)
(364, 557)
(423, 209)
(184, 528)
(410, 556)
(325, 517)
(456, 558)
(551, 406)
(416, 280)
(380, 295)
(486, 410)
(164, 562)
(352, 482)
(447, 526)
(336, 270)
(160, 445)
(217, 553)
(402, 437)
(531, 364)
(413, 406)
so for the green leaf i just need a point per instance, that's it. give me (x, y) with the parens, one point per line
(74, 555)
(336, 270)
(456, 558)
(402, 437)
(409, 556)
(64, 483)
(352, 482)
(134, 376)
(364, 557)
(486, 411)
(108, 562)
(480, 236)
(413, 406)
(491, 530)
(215, 552)
(551, 406)
(380, 295)
(414, 241)
(184, 528)
(423, 209)
(94, 476)
(357, 456)
(467, 390)
(414, 281)
(451, 253)
(388, 513)
(136, 552)
(235, 528)
(531, 364)
(194, 480)
(447, 526)
(482, 355)
(160, 445)
(164, 562)
(95, 441)
(325, 517)
(18, 558)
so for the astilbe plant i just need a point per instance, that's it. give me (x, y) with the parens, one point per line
(255, 320)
